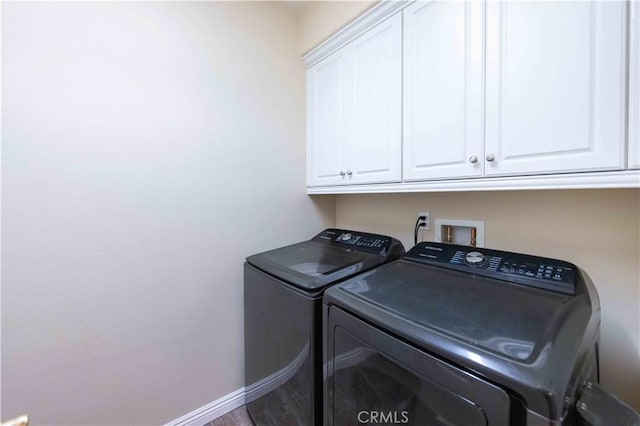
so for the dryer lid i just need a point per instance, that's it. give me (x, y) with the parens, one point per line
(485, 314)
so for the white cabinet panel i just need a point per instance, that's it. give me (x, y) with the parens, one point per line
(327, 121)
(375, 104)
(354, 110)
(555, 86)
(634, 87)
(443, 83)
(540, 88)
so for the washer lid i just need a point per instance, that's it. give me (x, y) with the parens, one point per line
(329, 257)
(310, 266)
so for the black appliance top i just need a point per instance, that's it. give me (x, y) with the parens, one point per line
(515, 319)
(534, 271)
(330, 256)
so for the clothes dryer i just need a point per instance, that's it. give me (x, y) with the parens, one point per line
(454, 335)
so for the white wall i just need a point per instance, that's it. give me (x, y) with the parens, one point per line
(147, 148)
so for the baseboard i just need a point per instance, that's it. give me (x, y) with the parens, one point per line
(203, 415)
(277, 379)
(221, 406)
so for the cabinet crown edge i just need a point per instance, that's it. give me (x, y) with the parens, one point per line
(619, 179)
(355, 28)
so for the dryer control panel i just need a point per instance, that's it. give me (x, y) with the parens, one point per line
(534, 271)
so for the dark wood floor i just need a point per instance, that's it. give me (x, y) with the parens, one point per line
(237, 417)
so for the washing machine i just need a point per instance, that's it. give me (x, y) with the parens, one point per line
(283, 291)
(454, 335)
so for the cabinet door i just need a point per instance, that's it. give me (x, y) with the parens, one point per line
(634, 87)
(443, 83)
(327, 121)
(375, 132)
(555, 87)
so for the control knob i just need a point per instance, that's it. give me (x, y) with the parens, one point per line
(474, 258)
(345, 237)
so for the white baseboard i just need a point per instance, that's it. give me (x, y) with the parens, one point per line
(203, 415)
(271, 382)
(235, 399)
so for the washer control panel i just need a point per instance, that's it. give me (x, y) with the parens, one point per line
(366, 241)
(534, 271)
(354, 240)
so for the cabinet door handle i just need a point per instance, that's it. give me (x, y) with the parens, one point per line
(491, 157)
(349, 172)
(342, 173)
(473, 159)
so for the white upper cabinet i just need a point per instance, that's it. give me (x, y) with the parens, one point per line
(555, 87)
(375, 113)
(477, 95)
(634, 86)
(443, 90)
(327, 121)
(354, 111)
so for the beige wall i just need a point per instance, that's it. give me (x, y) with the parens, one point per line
(320, 19)
(147, 149)
(598, 230)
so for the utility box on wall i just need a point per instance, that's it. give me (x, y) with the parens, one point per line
(462, 232)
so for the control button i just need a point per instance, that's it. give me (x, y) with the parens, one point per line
(345, 237)
(474, 258)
